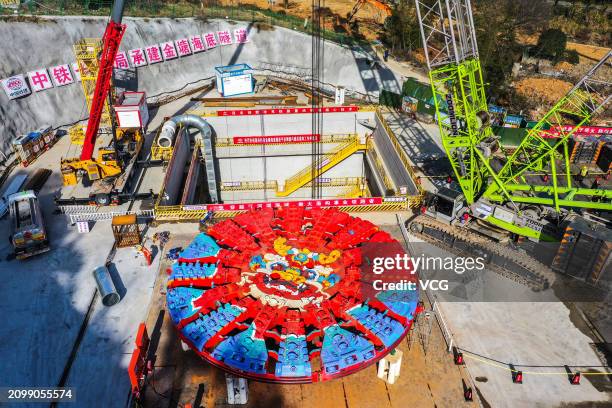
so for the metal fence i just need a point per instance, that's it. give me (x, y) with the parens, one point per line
(108, 216)
(177, 9)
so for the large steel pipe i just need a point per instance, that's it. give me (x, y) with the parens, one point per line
(106, 287)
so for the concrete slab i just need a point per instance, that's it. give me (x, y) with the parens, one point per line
(109, 340)
(45, 299)
(543, 332)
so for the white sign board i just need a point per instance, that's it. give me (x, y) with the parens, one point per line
(182, 46)
(503, 215)
(168, 50)
(339, 95)
(83, 227)
(129, 119)
(16, 87)
(137, 57)
(237, 85)
(40, 80)
(61, 75)
(197, 44)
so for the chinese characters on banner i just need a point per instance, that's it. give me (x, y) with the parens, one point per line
(277, 139)
(240, 36)
(168, 50)
(196, 44)
(343, 202)
(137, 57)
(224, 37)
(61, 75)
(210, 40)
(40, 80)
(153, 54)
(121, 60)
(182, 47)
(65, 74)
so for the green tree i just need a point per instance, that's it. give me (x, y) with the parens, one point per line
(401, 27)
(551, 44)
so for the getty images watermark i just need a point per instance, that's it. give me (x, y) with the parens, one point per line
(401, 271)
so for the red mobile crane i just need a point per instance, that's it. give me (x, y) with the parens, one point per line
(106, 168)
(111, 40)
(107, 163)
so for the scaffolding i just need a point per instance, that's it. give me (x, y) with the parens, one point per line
(87, 52)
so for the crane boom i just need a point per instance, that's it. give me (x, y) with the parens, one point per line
(499, 188)
(451, 52)
(110, 45)
(587, 98)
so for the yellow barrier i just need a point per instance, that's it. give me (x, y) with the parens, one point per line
(9, 2)
(176, 213)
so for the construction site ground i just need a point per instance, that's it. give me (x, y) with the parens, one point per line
(496, 322)
(56, 332)
(428, 376)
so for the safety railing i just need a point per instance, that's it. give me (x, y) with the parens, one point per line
(358, 190)
(341, 181)
(108, 216)
(249, 185)
(350, 182)
(400, 151)
(325, 163)
(380, 168)
(77, 209)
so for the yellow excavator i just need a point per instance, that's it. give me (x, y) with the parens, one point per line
(107, 163)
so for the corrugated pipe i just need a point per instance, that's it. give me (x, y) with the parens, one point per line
(166, 139)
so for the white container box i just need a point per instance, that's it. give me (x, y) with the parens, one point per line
(132, 112)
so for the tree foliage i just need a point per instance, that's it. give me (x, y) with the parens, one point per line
(497, 23)
(401, 28)
(551, 44)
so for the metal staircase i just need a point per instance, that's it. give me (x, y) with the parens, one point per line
(326, 162)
